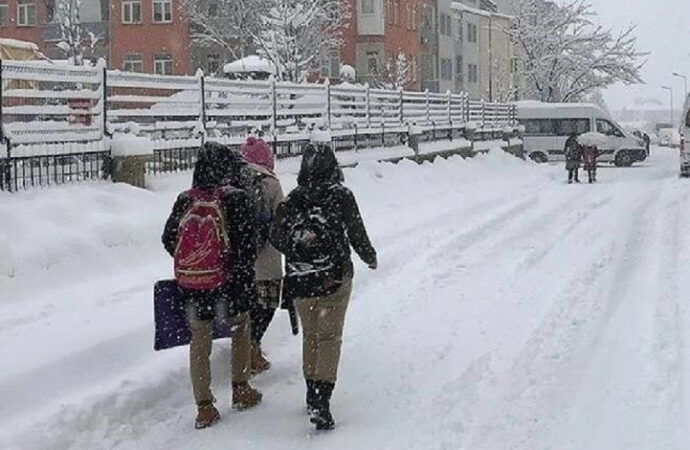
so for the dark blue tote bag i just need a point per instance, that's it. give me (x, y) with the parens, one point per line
(170, 317)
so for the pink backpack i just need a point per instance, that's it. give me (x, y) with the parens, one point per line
(201, 254)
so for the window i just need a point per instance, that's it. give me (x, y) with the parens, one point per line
(4, 15)
(566, 127)
(133, 63)
(446, 69)
(389, 11)
(460, 28)
(212, 64)
(163, 64)
(367, 6)
(373, 62)
(26, 13)
(472, 73)
(162, 11)
(131, 11)
(472, 33)
(443, 24)
(539, 127)
(330, 65)
(458, 67)
(609, 129)
(396, 12)
(415, 18)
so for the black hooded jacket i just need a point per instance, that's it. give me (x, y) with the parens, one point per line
(219, 167)
(319, 183)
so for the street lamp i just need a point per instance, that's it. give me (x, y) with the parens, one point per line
(671, 91)
(685, 81)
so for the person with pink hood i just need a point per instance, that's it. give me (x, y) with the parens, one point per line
(269, 269)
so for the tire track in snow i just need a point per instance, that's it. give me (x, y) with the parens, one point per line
(532, 395)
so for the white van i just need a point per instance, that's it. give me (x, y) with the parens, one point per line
(684, 134)
(548, 125)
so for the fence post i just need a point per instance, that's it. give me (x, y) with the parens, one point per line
(202, 105)
(402, 109)
(368, 107)
(274, 106)
(466, 101)
(450, 115)
(426, 106)
(328, 102)
(6, 167)
(483, 114)
(104, 98)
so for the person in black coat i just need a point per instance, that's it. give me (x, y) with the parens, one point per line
(314, 228)
(221, 170)
(573, 158)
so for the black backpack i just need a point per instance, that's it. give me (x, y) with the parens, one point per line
(312, 260)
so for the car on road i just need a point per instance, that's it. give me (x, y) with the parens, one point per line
(548, 125)
(669, 137)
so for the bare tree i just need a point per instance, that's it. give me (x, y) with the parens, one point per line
(230, 24)
(296, 35)
(74, 38)
(564, 55)
(397, 73)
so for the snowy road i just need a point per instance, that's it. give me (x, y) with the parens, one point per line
(510, 311)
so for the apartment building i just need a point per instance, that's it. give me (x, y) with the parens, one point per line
(485, 58)
(150, 36)
(384, 29)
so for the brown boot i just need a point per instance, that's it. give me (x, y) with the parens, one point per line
(259, 362)
(244, 396)
(207, 415)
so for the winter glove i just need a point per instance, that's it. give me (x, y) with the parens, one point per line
(374, 265)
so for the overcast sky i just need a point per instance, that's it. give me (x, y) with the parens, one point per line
(664, 31)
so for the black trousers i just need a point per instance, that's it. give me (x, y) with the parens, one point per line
(262, 312)
(574, 175)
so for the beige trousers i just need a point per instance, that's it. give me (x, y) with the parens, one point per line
(200, 355)
(322, 329)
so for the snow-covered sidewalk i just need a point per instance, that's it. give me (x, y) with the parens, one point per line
(510, 311)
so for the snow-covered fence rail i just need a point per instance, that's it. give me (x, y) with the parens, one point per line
(51, 111)
(41, 102)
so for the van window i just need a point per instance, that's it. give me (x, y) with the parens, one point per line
(566, 127)
(608, 128)
(539, 127)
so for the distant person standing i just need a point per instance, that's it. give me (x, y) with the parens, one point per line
(314, 228)
(573, 158)
(590, 154)
(647, 143)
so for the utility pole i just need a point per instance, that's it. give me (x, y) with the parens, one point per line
(670, 90)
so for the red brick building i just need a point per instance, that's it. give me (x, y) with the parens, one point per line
(384, 29)
(150, 36)
(23, 20)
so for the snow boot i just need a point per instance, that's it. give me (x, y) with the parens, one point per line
(258, 362)
(244, 396)
(321, 414)
(207, 415)
(311, 396)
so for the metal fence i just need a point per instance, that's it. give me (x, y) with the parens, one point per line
(51, 115)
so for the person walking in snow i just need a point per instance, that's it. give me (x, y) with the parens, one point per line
(211, 235)
(314, 228)
(269, 270)
(573, 158)
(590, 153)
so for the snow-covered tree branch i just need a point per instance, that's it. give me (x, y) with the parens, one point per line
(73, 35)
(396, 73)
(295, 35)
(564, 56)
(231, 24)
